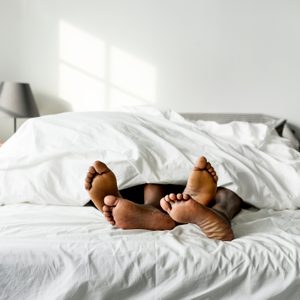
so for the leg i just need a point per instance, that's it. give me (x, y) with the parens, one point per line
(227, 203)
(154, 192)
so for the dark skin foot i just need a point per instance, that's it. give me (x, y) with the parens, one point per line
(202, 182)
(128, 215)
(183, 209)
(99, 182)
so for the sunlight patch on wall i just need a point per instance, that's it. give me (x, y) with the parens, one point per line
(120, 98)
(84, 92)
(133, 75)
(82, 50)
(94, 75)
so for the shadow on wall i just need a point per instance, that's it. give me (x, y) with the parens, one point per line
(51, 105)
(94, 75)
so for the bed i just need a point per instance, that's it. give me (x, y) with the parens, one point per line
(54, 247)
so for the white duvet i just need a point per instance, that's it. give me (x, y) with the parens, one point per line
(71, 253)
(64, 251)
(46, 161)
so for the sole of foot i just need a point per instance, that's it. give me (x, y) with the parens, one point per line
(183, 209)
(126, 214)
(100, 181)
(202, 182)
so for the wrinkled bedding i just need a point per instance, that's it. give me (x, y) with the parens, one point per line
(48, 156)
(53, 248)
(59, 252)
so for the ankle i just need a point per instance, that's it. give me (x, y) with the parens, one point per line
(221, 212)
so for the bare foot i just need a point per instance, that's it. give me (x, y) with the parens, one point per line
(202, 182)
(183, 209)
(99, 182)
(128, 215)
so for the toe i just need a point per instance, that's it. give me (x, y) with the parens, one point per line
(111, 200)
(90, 175)
(185, 196)
(172, 196)
(216, 178)
(167, 198)
(107, 214)
(87, 179)
(92, 170)
(201, 162)
(179, 196)
(107, 208)
(208, 166)
(87, 185)
(100, 167)
(165, 205)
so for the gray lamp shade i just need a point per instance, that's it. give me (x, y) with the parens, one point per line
(16, 99)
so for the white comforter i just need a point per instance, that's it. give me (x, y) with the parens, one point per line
(45, 162)
(57, 252)
(54, 251)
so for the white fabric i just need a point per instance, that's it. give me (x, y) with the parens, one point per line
(57, 252)
(46, 161)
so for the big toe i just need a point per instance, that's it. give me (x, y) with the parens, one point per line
(100, 167)
(165, 205)
(111, 200)
(201, 162)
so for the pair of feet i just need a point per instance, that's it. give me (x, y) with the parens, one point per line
(187, 207)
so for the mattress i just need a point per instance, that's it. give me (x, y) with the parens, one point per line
(55, 252)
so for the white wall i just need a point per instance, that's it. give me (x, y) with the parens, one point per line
(188, 55)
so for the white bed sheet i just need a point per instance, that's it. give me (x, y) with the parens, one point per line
(59, 252)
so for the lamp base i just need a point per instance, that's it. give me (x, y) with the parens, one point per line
(15, 124)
